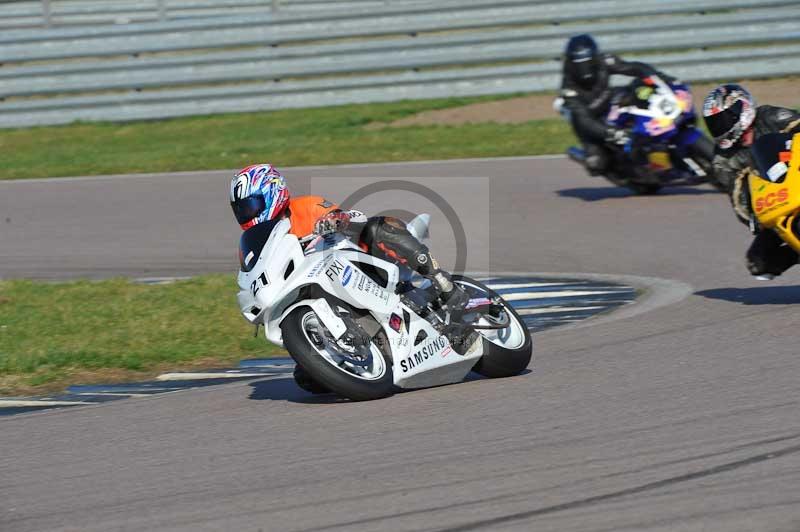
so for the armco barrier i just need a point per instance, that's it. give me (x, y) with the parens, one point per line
(364, 51)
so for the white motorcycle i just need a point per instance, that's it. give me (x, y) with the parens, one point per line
(363, 327)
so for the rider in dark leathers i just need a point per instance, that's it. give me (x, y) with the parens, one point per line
(587, 97)
(735, 123)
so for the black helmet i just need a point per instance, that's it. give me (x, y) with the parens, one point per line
(581, 62)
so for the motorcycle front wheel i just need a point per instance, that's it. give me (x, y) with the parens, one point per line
(355, 366)
(507, 351)
(702, 150)
(643, 189)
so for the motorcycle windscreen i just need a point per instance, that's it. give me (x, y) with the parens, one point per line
(771, 154)
(252, 243)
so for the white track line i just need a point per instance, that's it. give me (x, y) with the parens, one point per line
(517, 296)
(498, 286)
(115, 394)
(199, 376)
(8, 403)
(284, 365)
(550, 310)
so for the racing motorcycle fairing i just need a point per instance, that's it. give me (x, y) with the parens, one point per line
(775, 185)
(652, 107)
(335, 271)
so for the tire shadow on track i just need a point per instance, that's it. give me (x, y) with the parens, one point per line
(285, 389)
(608, 193)
(758, 295)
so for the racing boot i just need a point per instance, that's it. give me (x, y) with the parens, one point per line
(452, 295)
(768, 256)
(596, 159)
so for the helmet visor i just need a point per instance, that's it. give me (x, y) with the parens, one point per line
(722, 123)
(248, 208)
(584, 70)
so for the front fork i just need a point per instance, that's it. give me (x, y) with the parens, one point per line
(688, 151)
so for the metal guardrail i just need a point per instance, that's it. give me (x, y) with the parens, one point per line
(539, 77)
(544, 49)
(280, 29)
(70, 12)
(97, 12)
(375, 61)
(379, 59)
(233, 103)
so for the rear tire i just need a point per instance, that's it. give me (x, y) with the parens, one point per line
(325, 372)
(498, 361)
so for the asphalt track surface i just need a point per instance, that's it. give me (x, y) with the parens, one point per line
(681, 415)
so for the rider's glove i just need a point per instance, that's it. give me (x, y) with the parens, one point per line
(620, 137)
(333, 222)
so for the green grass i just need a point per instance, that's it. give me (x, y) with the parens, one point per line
(82, 332)
(331, 135)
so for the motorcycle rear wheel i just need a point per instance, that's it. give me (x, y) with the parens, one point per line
(335, 365)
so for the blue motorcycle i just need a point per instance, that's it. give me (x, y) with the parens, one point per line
(665, 148)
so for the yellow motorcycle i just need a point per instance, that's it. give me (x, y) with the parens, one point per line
(775, 189)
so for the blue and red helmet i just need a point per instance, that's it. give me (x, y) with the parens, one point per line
(258, 194)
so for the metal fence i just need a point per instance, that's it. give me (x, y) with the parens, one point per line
(48, 13)
(328, 52)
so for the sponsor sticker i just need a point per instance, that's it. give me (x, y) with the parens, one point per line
(428, 351)
(368, 286)
(334, 270)
(318, 267)
(347, 275)
(777, 171)
(771, 200)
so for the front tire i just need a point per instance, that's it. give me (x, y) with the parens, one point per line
(334, 366)
(506, 352)
(703, 152)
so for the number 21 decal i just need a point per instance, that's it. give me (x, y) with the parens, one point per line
(256, 285)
